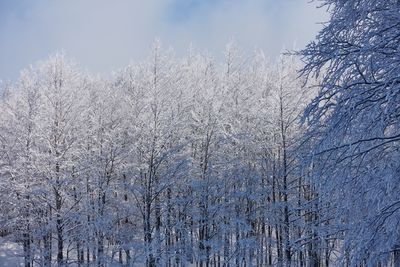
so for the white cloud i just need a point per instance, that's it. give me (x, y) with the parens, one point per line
(104, 35)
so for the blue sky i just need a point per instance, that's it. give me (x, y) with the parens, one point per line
(104, 35)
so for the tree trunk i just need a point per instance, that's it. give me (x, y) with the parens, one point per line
(27, 248)
(47, 249)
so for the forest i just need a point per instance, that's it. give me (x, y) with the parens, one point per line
(194, 161)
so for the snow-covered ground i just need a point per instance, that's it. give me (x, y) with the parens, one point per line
(10, 254)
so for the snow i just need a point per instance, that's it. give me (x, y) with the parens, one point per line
(10, 254)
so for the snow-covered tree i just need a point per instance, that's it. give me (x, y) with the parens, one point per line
(355, 127)
(170, 162)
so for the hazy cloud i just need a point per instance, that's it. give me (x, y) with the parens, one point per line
(103, 35)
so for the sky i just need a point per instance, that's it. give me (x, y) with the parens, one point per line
(105, 35)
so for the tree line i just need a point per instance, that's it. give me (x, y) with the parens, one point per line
(168, 163)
